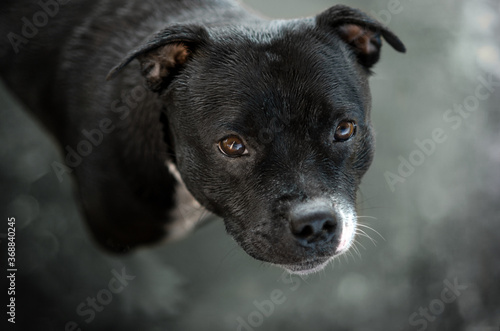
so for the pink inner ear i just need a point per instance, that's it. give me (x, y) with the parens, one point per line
(169, 56)
(176, 54)
(359, 37)
(157, 64)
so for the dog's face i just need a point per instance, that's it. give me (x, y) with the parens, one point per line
(274, 137)
(271, 131)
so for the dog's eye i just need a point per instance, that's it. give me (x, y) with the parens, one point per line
(345, 130)
(232, 146)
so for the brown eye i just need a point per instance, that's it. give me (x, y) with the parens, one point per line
(345, 130)
(232, 146)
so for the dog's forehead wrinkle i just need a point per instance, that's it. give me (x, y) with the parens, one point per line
(268, 95)
(259, 32)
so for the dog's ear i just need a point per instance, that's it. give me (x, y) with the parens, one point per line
(360, 32)
(164, 54)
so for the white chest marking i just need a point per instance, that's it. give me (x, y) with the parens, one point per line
(187, 212)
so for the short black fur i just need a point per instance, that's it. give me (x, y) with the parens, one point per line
(214, 70)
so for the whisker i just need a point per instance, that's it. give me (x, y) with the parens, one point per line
(355, 248)
(370, 217)
(370, 228)
(362, 233)
(224, 258)
(371, 208)
(337, 260)
(360, 244)
(331, 265)
(347, 255)
(345, 258)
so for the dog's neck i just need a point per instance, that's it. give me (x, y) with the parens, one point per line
(188, 212)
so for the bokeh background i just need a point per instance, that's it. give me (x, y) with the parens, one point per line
(438, 225)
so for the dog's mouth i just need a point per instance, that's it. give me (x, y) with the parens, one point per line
(304, 247)
(307, 267)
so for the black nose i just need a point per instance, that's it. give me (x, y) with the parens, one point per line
(313, 228)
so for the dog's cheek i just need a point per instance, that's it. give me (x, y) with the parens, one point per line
(253, 238)
(195, 176)
(248, 222)
(363, 153)
(217, 189)
(240, 231)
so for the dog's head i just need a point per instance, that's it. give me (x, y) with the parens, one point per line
(270, 126)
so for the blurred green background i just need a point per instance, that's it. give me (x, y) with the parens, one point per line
(439, 221)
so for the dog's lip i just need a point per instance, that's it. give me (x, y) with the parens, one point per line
(307, 267)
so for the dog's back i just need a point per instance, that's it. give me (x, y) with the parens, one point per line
(30, 53)
(55, 58)
(46, 44)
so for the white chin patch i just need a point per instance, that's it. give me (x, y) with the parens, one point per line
(302, 272)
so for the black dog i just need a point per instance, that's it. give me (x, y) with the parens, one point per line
(267, 123)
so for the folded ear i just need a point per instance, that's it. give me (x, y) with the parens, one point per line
(164, 53)
(359, 31)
